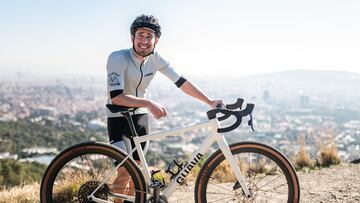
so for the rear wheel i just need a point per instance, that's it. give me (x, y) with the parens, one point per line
(268, 174)
(77, 171)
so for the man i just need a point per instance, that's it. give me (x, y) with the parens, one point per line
(129, 74)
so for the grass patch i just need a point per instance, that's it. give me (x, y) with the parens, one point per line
(21, 194)
(302, 159)
(328, 153)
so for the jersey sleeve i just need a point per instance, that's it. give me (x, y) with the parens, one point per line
(166, 69)
(115, 74)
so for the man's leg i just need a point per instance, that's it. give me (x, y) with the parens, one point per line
(123, 184)
(123, 181)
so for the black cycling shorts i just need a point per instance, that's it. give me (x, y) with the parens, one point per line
(118, 126)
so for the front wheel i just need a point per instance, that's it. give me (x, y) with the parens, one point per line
(268, 174)
(77, 171)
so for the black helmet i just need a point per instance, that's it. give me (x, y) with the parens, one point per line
(147, 21)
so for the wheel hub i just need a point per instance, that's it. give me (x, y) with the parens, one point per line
(239, 192)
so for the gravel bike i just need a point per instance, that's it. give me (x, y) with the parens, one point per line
(239, 172)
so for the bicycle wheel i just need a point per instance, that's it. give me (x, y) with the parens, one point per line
(268, 174)
(77, 171)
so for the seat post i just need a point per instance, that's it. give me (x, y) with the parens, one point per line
(131, 123)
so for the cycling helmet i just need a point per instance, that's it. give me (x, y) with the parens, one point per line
(147, 21)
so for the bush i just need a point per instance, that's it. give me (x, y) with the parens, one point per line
(328, 154)
(302, 158)
(15, 173)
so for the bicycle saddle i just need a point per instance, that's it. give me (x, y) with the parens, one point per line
(117, 108)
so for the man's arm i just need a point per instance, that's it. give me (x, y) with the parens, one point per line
(131, 101)
(195, 92)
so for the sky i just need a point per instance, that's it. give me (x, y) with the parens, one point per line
(212, 37)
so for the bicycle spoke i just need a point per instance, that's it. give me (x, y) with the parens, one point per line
(78, 171)
(90, 171)
(225, 198)
(284, 184)
(73, 173)
(269, 182)
(221, 187)
(264, 173)
(218, 193)
(265, 176)
(249, 168)
(102, 170)
(256, 169)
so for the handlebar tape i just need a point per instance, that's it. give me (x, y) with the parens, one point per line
(237, 104)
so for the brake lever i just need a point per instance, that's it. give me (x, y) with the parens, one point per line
(250, 122)
(238, 104)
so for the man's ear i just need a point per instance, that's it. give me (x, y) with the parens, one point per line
(156, 40)
(132, 38)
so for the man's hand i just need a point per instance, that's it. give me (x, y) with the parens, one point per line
(217, 103)
(156, 109)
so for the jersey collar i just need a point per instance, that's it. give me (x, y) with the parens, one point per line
(135, 59)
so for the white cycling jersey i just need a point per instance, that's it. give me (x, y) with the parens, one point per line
(128, 75)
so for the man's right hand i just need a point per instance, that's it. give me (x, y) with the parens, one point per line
(156, 109)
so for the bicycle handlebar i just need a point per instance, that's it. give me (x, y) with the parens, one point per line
(238, 104)
(230, 111)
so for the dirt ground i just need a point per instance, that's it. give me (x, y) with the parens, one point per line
(335, 184)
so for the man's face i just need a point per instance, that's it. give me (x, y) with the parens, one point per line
(144, 41)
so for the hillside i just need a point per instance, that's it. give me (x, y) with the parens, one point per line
(331, 84)
(333, 97)
(61, 133)
(335, 184)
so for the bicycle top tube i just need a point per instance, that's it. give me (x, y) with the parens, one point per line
(234, 109)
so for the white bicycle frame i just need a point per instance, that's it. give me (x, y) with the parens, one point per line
(205, 146)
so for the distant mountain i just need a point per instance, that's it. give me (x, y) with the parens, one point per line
(321, 78)
(322, 87)
(306, 81)
(311, 83)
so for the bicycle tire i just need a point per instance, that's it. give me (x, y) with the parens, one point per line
(215, 184)
(74, 170)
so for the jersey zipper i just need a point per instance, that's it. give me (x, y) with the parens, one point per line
(142, 74)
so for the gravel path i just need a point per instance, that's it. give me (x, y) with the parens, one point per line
(335, 184)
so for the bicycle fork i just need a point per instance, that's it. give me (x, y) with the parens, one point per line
(224, 147)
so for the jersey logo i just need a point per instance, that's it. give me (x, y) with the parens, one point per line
(114, 79)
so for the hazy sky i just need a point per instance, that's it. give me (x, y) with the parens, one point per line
(214, 37)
